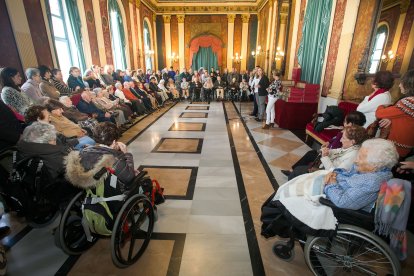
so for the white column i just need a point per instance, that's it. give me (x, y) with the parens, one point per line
(181, 49)
(292, 53)
(344, 48)
(154, 43)
(272, 48)
(230, 40)
(85, 34)
(21, 31)
(245, 33)
(99, 31)
(269, 26)
(134, 39)
(167, 31)
(140, 47)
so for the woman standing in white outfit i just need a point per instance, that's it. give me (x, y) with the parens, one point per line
(272, 97)
(382, 83)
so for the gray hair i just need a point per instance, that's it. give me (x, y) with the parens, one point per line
(31, 72)
(40, 133)
(97, 90)
(381, 153)
(118, 85)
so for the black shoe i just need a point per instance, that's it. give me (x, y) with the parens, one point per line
(286, 172)
(258, 120)
(252, 114)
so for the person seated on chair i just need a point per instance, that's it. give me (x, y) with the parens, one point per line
(196, 88)
(39, 140)
(244, 89)
(59, 84)
(219, 87)
(172, 88)
(184, 87)
(354, 118)
(31, 86)
(11, 128)
(153, 87)
(85, 105)
(208, 87)
(234, 87)
(137, 105)
(382, 83)
(66, 127)
(108, 152)
(344, 157)
(164, 90)
(75, 81)
(46, 87)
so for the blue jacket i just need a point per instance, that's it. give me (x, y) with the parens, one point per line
(73, 82)
(90, 108)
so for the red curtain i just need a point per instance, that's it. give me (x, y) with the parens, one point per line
(206, 41)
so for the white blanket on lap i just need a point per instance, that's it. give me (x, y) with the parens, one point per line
(301, 196)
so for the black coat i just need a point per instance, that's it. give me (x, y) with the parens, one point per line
(10, 127)
(263, 85)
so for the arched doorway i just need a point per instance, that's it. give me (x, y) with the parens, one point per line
(206, 51)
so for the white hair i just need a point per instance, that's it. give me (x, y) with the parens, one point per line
(118, 85)
(381, 153)
(40, 133)
(97, 90)
(31, 72)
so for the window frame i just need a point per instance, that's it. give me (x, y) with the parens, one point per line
(383, 28)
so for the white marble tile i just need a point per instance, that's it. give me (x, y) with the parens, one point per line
(216, 224)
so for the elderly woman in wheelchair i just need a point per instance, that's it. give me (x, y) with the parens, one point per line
(32, 175)
(334, 214)
(112, 203)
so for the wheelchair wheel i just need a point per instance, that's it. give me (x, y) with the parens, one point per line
(72, 237)
(353, 251)
(132, 230)
(283, 251)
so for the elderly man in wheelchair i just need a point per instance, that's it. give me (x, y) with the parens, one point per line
(344, 219)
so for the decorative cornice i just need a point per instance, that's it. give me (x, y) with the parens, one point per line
(206, 9)
(231, 17)
(138, 3)
(245, 17)
(180, 18)
(154, 17)
(404, 6)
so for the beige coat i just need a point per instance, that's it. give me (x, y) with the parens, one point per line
(66, 126)
(49, 90)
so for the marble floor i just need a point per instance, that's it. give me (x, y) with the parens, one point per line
(217, 170)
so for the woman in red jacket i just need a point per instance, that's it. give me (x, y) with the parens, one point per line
(400, 117)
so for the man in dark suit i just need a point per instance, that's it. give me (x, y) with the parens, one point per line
(262, 85)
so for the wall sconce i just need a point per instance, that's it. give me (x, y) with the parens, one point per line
(237, 59)
(389, 57)
(279, 54)
(174, 58)
(258, 51)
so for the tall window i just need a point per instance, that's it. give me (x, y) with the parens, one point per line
(147, 46)
(66, 31)
(378, 49)
(118, 35)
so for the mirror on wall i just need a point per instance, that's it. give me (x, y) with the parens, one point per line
(282, 35)
(381, 53)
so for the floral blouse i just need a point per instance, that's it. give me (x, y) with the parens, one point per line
(15, 99)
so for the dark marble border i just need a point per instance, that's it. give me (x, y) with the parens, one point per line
(191, 183)
(190, 107)
(16, 238)
(259, 153)
(173, 266)
(198, 150)
(182, 114)
(203, 128)
(254, 250)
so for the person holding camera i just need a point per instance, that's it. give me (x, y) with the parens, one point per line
(274, 94)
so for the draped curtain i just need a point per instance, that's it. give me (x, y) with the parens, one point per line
(205, 58)
(113, 7)
(312, 46)
(75, 24)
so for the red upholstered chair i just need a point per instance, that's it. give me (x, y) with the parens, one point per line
(304, 92)
(294, 115)
(76, 98)
(327, 134)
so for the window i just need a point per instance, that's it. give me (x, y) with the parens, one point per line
(378, 48)
(147, 46)
(65, 26)
(117, 34)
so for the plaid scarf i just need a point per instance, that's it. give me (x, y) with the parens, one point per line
(391, 214)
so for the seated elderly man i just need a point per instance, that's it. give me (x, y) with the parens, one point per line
(31, 86)
(135, 104)
(71, 112)
(67, 127)
(39, 140)
(142, 97)
(86, 105)
(106, 104)
(355, 189)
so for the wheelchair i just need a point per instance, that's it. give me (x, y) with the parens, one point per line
(353, 250)
(28, 190)
(130, 228)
